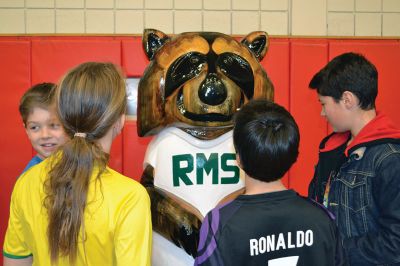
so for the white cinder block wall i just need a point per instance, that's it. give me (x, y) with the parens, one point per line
(277, 17)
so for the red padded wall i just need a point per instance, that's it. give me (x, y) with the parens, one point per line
(15, 147)
(307, 57)
(134, 60)
(51, 57)
(134, 150)
(290, 63)
(276, 64)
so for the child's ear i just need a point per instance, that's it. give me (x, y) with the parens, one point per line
(122, 121)
(239, 162)
(26, 128)
(118, 126)
(350, 100)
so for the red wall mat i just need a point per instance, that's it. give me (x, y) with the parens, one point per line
(16, 149)
(290, 63)
(52, 58)
(276, 64)
(307, 57)
(134, 60)
(385, 55)
(134, 150)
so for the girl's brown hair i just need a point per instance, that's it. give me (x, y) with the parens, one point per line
(90, 99)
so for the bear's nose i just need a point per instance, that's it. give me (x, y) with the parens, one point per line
(212, 91)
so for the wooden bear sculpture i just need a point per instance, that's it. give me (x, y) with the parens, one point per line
(188, 95)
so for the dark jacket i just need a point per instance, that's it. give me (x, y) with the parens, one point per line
(364, 190)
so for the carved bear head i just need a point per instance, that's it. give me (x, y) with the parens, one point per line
(196, 81)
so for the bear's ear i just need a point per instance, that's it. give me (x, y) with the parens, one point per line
(257, 42)
(152, 41)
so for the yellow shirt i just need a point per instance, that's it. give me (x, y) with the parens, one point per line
(117, 221)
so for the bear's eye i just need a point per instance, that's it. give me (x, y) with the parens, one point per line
(228, 60)
(182, 69)
(186, 66)
(238, 70)
(194, 59)
(235, 66)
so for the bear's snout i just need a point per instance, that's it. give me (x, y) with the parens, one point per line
(212, 91)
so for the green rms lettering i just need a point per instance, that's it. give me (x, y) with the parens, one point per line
(229, 168)
(183, 164)
(181, 172)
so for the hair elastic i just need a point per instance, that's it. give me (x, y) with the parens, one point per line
(80, 134)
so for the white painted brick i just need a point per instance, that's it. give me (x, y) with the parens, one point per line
(219, 21)
(368, 24)
(274, 23)
(99, 21)
(391, 24)
(40, 21)
(186, 21)
(70, 21)
(12, 21)
(340, 24)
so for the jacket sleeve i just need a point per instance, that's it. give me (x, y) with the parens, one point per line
(382, 246)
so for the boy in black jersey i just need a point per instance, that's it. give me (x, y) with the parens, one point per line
(268, 224)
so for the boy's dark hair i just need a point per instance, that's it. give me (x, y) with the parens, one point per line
(40, 95)
(348, 72)
(266, 138)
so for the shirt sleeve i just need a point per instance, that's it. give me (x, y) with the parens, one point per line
(15, 246)
(207, 252)
(133, 234)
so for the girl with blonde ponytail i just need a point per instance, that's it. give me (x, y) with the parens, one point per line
(72, 209)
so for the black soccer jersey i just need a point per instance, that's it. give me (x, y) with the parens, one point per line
(272, 229)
